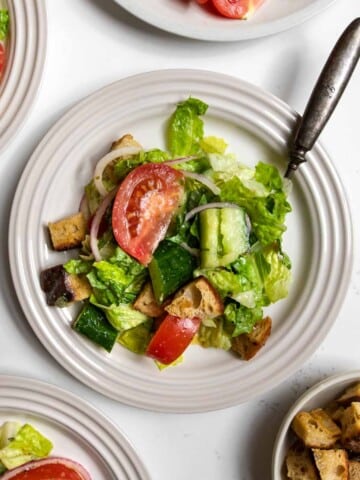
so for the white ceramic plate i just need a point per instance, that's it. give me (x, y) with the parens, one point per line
(257, 126)
(187, 18)
(77, 430)
(24, 67)
(317, 396)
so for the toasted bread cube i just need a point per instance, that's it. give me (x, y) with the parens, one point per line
(354, 470)
(335, 411)
(316, 429)
(125, 141)
(350, 422)
(62, 288)
(68, 232)
(351, 394)
(247, 345)
(300, 464)
(332, 464)
(146, 303)
(196, 299)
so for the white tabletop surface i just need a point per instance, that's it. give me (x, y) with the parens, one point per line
(94, 42)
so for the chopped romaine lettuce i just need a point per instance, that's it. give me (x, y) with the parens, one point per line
(215, 336)
(121, 316)
(277, 282)
(117, 280)
(28, 444)
(137, 339)
(186, 128)
(213, 145)
(4, 23)
(242, 318)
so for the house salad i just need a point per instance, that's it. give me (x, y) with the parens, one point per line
(176, 246)
(25, 455)
(4, 34)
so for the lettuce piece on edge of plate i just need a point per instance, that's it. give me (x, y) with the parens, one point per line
(28, 444)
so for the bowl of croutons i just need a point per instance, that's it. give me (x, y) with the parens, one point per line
(319, 439)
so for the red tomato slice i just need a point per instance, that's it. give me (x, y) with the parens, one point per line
(172, 338)
(236, 8)
(48, 469)
(143, 208)
(2, 58)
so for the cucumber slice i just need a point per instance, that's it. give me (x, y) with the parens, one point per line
(224, 235)
(93, 324)
(170, 268)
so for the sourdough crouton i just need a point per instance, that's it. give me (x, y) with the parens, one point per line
(68, 232)
(247, 345)
(196, 299)
(351, 394)
(146, 303)
(316, 429)
(354, 470)
(335, 411)
(350, 422)
(61, 287)
(300, 464)
(125, 141)
(332, 464)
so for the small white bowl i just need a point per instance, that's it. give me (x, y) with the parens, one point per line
(316, 397)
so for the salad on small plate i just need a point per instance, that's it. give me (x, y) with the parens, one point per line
(176, 246)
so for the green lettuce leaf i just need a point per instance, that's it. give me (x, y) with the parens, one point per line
(137, 339)
(78, 266)
(216, 336)
(117, 280)
(4, 24)
(186, 128)
(277, 282)
(121, 317)
(213, 145)
(28, 444)
(242, 318)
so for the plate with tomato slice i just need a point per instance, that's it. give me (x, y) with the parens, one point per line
(224, 20)
(257, 126)
(84, 444)
(22, 58)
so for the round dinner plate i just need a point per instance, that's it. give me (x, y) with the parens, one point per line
(257, 127)
(27, 47)
(76, 429)
(187, 18)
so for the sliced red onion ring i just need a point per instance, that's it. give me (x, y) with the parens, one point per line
(95, 224)
(108, 158)
(193, 251)
(204, 180)
(84, 207)
(70, 464)
(181, 160)
(200, 208)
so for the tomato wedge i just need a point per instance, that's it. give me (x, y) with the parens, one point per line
(54, 468)
(172, 338)
(237, 8)
(143, 208)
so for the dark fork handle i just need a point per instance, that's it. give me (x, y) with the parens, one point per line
(326, 94)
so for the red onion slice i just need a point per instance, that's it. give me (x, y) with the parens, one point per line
(204, 180)
(104, 162)
(70, 464)
(201, 208)
(95, 224)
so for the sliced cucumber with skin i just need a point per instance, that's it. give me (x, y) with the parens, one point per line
(170, 268)
(224, 235)
(93, 324)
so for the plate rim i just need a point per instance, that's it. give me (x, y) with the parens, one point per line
(215, 34)
(28, 87)
(72, 403)
(285, 110)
